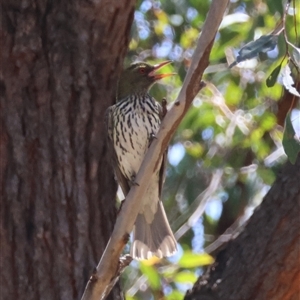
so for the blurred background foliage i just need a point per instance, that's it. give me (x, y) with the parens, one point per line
(226, 152)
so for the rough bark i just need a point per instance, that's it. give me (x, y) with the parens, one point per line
(60, 61)
(262, 263)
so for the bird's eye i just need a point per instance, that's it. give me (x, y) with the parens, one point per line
(142, 70)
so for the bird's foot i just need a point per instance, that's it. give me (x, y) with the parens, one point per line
(133, 182)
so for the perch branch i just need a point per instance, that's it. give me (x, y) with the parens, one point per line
(107, 269)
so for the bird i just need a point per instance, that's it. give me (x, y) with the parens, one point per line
(132, 123)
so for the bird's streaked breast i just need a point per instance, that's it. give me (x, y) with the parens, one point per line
(132, 132)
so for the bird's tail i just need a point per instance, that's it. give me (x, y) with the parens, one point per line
(155, 238)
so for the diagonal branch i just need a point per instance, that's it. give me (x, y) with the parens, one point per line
(108, 266)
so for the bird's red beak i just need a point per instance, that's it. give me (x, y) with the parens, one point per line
(157, 67)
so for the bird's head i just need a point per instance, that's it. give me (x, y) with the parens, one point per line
(138, 78)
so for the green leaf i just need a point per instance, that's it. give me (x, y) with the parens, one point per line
(271, 80)
(185, 277)
(153, 277)
(175, 295)
(268, 121)
(290, 144)
(189, 37)
(234, 94)
(194, 149)
(264, 44)
(130, 297)
(193, 260)
(267, 175)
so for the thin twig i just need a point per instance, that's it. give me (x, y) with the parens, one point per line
(201, 201)
(230, 233)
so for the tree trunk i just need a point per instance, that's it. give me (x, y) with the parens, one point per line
(262, 263)
(60, 62)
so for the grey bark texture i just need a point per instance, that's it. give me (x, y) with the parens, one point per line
(60, 62)
(263, 262)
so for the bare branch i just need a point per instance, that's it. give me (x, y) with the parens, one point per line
(123, 263)
(107, 268)
(201, 201)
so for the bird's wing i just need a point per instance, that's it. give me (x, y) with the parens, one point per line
(162, 173)
(109, 121)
